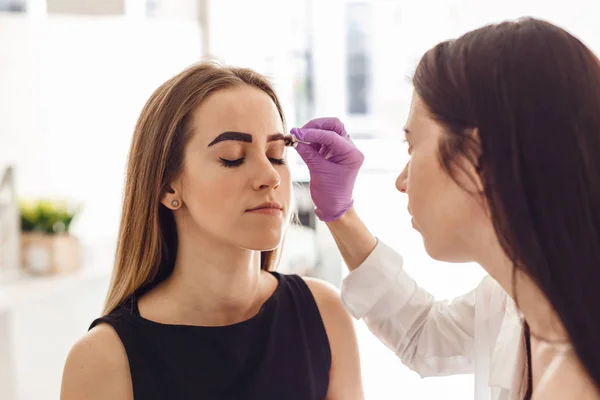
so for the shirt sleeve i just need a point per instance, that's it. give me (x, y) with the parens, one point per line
(433, 338)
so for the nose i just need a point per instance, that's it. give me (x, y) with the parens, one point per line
(266, 177)
(402, 179)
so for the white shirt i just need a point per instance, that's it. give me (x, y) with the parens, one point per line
(479, 332)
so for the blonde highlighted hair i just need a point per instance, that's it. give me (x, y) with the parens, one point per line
(147, 242)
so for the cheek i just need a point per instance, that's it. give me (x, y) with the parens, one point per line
(208, 193)
(421, 183)
(432, 195)
(437, 202)
(285, 185)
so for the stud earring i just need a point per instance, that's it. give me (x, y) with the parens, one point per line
(175, 203)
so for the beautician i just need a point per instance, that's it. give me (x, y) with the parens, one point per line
(485, 184)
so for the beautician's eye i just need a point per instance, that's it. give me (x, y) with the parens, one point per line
(231, 163)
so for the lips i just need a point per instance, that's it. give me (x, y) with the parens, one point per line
(267, 206)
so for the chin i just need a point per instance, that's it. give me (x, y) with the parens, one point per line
(446, 253)
(263, 241)
(438, 247)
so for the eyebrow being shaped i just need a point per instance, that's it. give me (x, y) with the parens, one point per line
(243, 137)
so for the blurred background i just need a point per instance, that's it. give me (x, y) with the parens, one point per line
(74, 75)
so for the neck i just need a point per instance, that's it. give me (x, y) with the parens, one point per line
(213, 283)
(535, 307)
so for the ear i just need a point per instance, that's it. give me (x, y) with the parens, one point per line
(173, 197)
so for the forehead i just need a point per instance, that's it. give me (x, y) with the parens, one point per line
(417, 110)
(241, 109)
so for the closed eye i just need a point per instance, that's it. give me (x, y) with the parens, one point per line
(236, 163)
(277, 161)
(232, 163)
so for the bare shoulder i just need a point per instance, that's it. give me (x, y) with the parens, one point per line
(336, 319)
(97, 368)
(345, 378)
(326, 295)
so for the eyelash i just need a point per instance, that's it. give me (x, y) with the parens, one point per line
(236, 163)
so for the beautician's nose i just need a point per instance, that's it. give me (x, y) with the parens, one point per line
(402, 180)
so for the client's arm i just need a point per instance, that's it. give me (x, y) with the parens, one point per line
(345, 378)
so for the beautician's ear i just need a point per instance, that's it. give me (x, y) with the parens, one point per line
(469, 165)
(173, 198)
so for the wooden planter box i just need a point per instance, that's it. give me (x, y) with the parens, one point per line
(44, 254)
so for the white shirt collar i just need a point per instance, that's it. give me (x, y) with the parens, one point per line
(508, 355)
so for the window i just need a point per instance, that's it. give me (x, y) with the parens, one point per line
(12, 5)
(152, 8)
(358, 57)
(303, 89)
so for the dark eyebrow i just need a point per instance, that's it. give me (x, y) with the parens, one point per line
(239, 136)
(277, 136)
(243, 137)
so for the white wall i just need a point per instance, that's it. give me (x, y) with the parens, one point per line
(39, 326)
(181, 9)
(72, 88)
(87, 7)
(256, 34)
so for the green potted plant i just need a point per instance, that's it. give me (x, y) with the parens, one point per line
(47, 246)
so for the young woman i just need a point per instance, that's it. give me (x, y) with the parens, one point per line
(195, 310)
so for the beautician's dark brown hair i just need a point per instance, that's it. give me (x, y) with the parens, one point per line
(530, 92)
(147, 244)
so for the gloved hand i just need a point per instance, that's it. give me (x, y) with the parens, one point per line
(333, 162)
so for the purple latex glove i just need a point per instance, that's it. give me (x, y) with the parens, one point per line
(333, 162)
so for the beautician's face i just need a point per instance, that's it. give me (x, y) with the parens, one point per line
(234, 163)
(447, 216)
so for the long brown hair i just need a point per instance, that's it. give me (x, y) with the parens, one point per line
(147, 242)
(532, 91)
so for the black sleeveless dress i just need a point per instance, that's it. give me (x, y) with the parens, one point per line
(282, 353)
